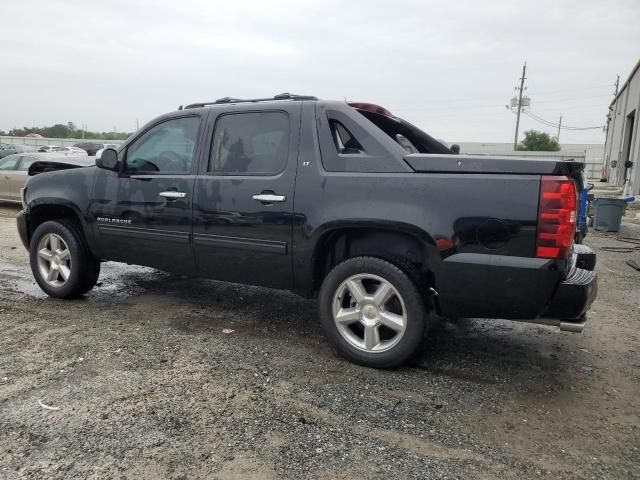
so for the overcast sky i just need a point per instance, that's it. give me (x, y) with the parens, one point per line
(448, 67)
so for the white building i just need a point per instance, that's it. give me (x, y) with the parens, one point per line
(622, 147)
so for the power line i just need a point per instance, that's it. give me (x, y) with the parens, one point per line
(573, 99)
(478, 99)
(559, 126)
(575, 89)
(556, 125)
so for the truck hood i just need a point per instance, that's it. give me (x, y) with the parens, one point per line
(65, 163)
(428, 163)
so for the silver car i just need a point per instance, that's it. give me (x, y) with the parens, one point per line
(14, 170)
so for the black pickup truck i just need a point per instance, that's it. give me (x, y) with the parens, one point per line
(343, 201)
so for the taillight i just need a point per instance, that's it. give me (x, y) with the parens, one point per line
(370, 107)
(556, 217)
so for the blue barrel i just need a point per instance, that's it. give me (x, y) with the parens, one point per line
(582, 211)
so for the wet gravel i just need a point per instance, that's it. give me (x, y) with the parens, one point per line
(141, 381)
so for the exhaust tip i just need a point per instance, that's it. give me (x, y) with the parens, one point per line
(573, 327)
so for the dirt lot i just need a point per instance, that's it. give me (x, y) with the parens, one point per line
(147, 384)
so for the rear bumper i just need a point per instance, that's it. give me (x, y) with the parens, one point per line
(21, 221)
(573, 296)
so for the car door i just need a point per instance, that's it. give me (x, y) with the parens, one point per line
(142, 213)
(11, 180)
(243, 198)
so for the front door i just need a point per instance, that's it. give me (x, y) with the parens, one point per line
(142, 213)
(243, 199)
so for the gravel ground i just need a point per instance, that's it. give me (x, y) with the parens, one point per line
(145, 383)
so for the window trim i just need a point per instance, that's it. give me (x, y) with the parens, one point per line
(207, 163)
(122, 171)
(380, 153)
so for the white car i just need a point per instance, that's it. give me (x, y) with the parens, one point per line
(72, 151)
(50, 148)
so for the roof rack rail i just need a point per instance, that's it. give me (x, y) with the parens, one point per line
(281, 96)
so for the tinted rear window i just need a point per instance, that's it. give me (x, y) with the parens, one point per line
(394, 126)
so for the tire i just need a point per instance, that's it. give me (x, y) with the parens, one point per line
(61, 262)
(350, 293)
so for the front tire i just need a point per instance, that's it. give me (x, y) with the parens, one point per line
(372, 312)
(61, 262)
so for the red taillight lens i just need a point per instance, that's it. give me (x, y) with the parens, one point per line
(370, 107)
(556, 217)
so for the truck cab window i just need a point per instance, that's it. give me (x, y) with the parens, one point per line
(344, 140)
(255, 143)
(166, 148)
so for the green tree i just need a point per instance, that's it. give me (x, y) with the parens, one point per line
(69, 130)
(535, 141)
(57, 131)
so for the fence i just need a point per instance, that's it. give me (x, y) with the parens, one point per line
(36, 142)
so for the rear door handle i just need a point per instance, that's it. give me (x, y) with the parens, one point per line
(172, 195)
(269, 197)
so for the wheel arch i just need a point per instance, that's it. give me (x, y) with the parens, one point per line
(405, 245)
(45, 211)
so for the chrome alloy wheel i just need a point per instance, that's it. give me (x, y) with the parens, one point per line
(369, 312)
(54, 260)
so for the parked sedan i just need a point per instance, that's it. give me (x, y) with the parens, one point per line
(14, 170)
(93, 147)
(7, 149)
(50, 148)
(73, 151)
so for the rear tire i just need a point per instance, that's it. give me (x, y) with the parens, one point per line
(61, 262)
(372, 312)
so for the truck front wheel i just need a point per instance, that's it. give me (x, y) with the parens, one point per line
(61, 263)
(372, 312)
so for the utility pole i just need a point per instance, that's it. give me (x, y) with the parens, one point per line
(559, 127)
(521, 89)
(615, 94)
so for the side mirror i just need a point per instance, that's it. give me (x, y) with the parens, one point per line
(455, 149)
(107, 159)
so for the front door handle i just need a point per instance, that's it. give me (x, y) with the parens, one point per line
(172, 195)
(269, 198)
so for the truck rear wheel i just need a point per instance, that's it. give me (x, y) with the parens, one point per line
(372, 312)
(61, 263)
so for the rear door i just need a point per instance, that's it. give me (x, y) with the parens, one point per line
(142, 213)
(243, 199)
(11, 180)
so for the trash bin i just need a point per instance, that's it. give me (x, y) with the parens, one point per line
(607, 213)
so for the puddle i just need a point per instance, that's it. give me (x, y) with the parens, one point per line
(18, 280)
(116, 280)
